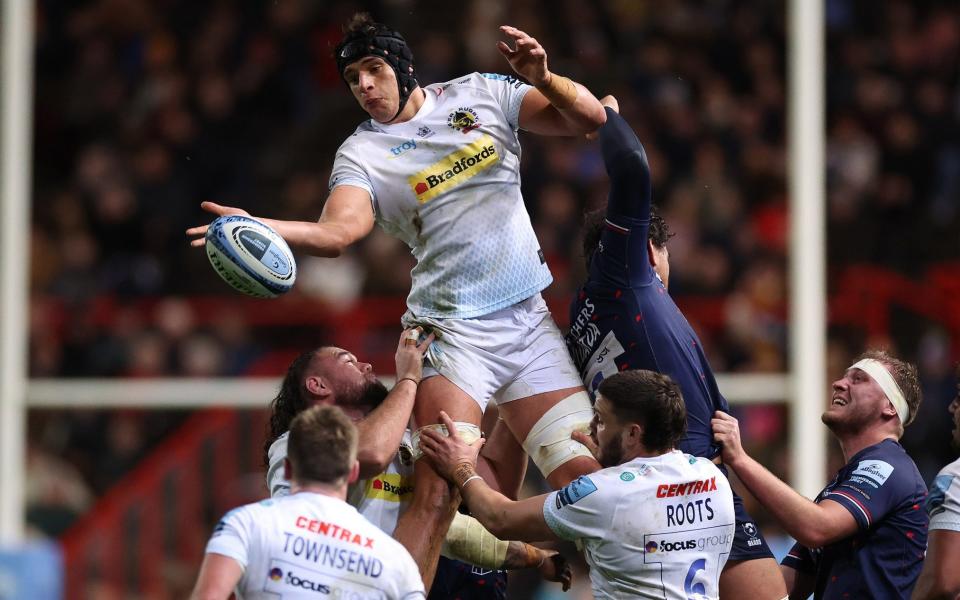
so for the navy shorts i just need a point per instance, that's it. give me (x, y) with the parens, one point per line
(748, 542)
(457, 580)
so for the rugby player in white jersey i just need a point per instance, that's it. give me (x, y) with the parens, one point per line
(331, 376)
(653, 523)
(311, 542)
(438, 167)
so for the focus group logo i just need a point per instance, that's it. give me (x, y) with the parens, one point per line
(718, 541)
(312, 581)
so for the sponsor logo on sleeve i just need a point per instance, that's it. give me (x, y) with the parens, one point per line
(938, 494)
(574, 492)
(873, 472)
(510, 79)
(454, 169)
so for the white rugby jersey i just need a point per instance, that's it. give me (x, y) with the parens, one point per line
(943, 500)
(310, 545)
(658, 527)
(447, 183)
(379, 499)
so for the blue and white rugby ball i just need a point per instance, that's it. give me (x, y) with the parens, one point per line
(250, 256)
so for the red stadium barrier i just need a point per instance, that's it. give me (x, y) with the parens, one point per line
(145, 538)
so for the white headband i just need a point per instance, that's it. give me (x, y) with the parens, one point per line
(879, 373)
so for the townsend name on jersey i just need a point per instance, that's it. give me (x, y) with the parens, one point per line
(454, 169)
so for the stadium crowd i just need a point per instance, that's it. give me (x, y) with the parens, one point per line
(145, 108)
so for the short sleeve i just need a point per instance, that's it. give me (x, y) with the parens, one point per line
(943, 501)
(871, 490)
(800, 559)
(347, 170)
(508, 91)
(231, 537)
(276, 482)
(577, 511)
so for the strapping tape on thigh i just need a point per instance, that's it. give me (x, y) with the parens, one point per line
(467, 432)
(549, 443)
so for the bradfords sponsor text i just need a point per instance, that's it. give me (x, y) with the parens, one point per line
(454, 169)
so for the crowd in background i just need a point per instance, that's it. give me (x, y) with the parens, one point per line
(144, 108)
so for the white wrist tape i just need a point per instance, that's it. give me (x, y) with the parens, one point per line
(879, 373)
(549, 443)
(469, 541)
(467, 432)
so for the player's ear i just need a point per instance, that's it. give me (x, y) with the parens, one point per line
(287, 469)
(634, 434)
(354, 472)
(652, 255)
(317, 386)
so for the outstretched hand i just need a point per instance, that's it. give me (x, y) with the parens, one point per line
(198, 233)
(448, 452)
(528, 59)
(556, 568)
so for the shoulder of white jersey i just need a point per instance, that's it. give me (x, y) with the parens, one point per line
(951, 469)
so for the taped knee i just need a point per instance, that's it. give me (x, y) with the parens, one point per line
(467, 540)
(468, 432)
(549, 443)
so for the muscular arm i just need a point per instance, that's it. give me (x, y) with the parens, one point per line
(347, 217)
(380, 433)
(813, 525)
(505, 518)
(940, 577)
(538, 115)
(382, 429)
(627, 168)
(218, 577)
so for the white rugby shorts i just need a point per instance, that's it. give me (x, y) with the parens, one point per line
(513, 353)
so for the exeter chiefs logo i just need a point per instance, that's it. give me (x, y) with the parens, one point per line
(463, 120)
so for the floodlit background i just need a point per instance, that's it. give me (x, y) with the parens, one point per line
(144, 108)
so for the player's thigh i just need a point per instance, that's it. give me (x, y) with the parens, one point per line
(439, 393)
(522, 414)
(759, 578)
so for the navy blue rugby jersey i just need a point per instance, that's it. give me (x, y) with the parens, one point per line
(883, 490)
(623, 317)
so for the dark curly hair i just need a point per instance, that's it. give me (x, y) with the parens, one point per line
(291, 400)
(652, 400)
(593, 224)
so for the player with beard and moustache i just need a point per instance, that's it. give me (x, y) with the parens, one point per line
(940, 577)
(865, 533)
(654, 522)
(333, 376)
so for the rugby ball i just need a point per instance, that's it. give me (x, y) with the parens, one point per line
(250, 256)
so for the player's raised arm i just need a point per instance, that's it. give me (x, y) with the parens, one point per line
(347, 217)
(626, 164)
(557, 105)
